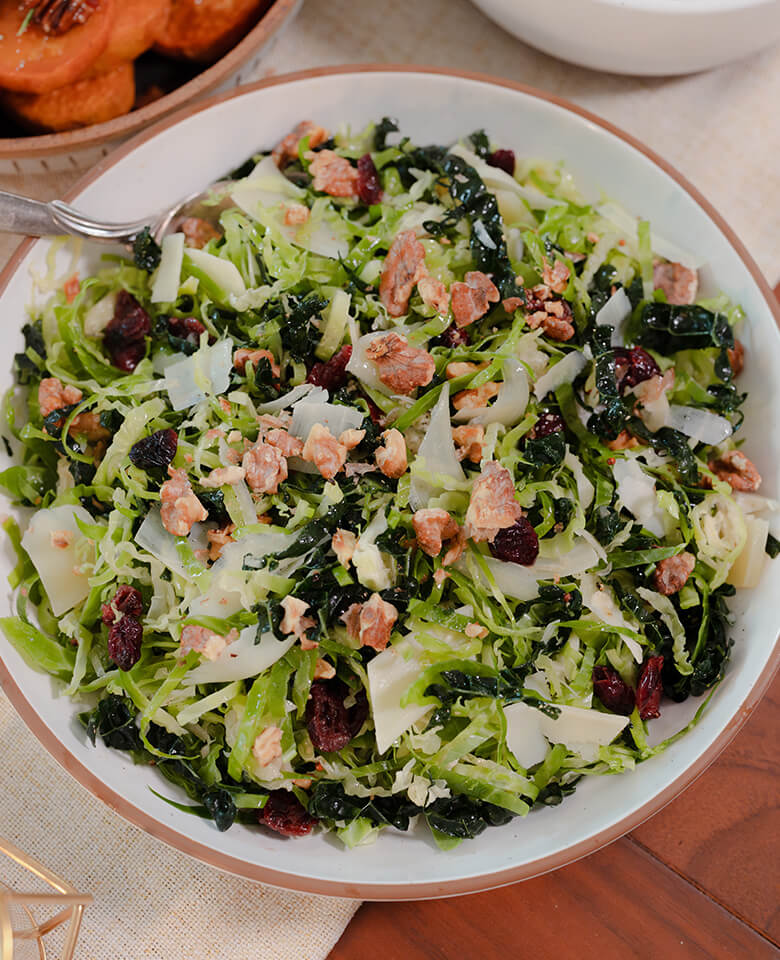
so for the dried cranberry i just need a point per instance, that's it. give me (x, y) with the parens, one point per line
(156, 450)
(549, 422)
(124, 336)
(284, 813)
(331, 725)
(333, 373)
(517, 544)
(503, 159)
(649, 688)
(613, 691)
(187, 328)
(633, 366)
(124, 642)
(454, 336)
(127, 600)
(369, 188)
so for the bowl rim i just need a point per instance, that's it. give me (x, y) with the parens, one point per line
(271, 21)
(382, 890)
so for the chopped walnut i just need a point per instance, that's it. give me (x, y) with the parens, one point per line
(218, 539)
(471, 300)
(391, 457)
(377, 618)
(285, 442)
(737, 470)
(432, 526)
(679, 283)
(556, 277)
(198, 232)
(296, 214)
(294, 620)
(287, 149)
(404, 267)
(672, 574)
(223, 476)
(401, 367)
(244, 355)
(333, 174)
(459, 368)
(469, 441)
(352, 438)
(351, 620)
(323, 670)
(267, 746)
(180, 507)
(561, 330)
(476, 630)
(476, 398)
(434, 294)
(207, 643)
(492, 506)
(265, 467)
(53, 395)
(455, 548)
(343, 544)
(510, 304)
(623, 441)
(737, 357)
(324, 451)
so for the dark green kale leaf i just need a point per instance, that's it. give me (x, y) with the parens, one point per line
(480, 143)
(668, 327)
(220, 807)
(545, 451)
(608, 524)
(328, 801)
(214, 503)
(298, 333)
(146, 251)
(113, 720)
(383, 129)
(464, 818)
(28, 368)
(772, 546)
(265, 384)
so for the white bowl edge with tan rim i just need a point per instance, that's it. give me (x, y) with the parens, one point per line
(197, 146)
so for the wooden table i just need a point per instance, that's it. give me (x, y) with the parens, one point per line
(698, 880)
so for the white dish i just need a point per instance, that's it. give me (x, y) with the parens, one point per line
(641, 37)
(182, 154)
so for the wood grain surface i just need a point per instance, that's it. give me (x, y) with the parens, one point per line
(698, 880)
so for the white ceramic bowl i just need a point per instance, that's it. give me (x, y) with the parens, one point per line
(641, 37)
(181, 155)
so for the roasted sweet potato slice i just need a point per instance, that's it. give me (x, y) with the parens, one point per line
(137, 24)
(92, 100)
(36, 62)
(203, 30)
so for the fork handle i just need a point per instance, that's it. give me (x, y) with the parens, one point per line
(37, 219)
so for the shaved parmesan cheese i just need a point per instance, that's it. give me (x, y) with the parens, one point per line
(99, 315)
(636, 492)
(755, 503)
(242, 659)
(165, 287)
(223, 274)
(615, 312)
(523, 734)
(510, 403)
(389, 677)
(661, 246)
(749, 565)
(154, 538)
(336, 417)
(585, 489)
(308, 390)
(495, 178)
(702, 425)
(253, 545)
(436, 455)
(53, 541)
(205, 371)
(565, 371)
(599, 600)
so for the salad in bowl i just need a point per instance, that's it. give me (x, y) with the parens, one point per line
(403, 485)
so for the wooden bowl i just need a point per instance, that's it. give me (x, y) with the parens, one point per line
(80, 149)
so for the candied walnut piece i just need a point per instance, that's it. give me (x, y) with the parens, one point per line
(471, 300)
(469, 441)
(613, 691)
(404, 267)
(331, 725)
(351, 620)
(400, 367)
(244, 355)
(285, 814)
(679, 283)
(672, 574)
(391, 457)
(54, 395)
(459, 368)
(268, 745)
(333, 174)
(208, 643)
(296, 214)
(287, 149)
(737, 470)
(455, 548)
(223, 476)
(352, 438)
(377, 618)
(432, 526)
(289, 445)
(492, 505)
(324, 670)
(197, 232)
(323, 450)
(180, 507)
(434, 294)
(218, 539)
(555, 277)
(343, 544)
(623, 441)
(557, 329)
(737, 357)
(650, 688)
(265, 467)
(475, 398)
(294, 620)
